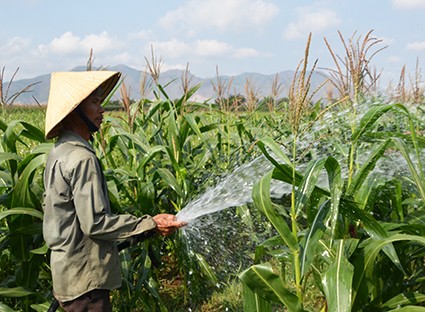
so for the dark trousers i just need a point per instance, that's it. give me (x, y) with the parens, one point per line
(96, 300)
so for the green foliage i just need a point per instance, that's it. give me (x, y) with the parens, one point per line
(20, 212)
(156, 161)
(352, 236)
(264, 282)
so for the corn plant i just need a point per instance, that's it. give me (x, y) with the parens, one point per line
(353, 77)
(21, 237)
(156, 163)
(6, 99)
(222, 90)
(341, 242)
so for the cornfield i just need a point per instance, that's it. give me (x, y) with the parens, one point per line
(349, 235)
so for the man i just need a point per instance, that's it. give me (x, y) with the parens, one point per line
(78, 226)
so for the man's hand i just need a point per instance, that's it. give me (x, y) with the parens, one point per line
(167, 224)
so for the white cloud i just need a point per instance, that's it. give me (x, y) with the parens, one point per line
(13, 56)
(179, 50)
(208, 48)
(41, 50)
(68, 43)
(310, 20)
(409, 4)
(120, 58)
(222, 15)
(166, 66)
(394, 59)
(246, 53)
(416, 46)
(100, 42)
(141, 35)
(61, 53)
(173, 48)
(124, 58)
(14, 45)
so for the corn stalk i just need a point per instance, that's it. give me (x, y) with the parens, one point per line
(7, 100)
(353, 77)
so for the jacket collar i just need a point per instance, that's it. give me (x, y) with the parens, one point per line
(74, 139)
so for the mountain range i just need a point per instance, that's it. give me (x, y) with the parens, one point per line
(171, 80)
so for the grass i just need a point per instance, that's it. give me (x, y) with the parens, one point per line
(29, 113)
(228, 298)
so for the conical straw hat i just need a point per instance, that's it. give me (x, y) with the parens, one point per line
(69, 89)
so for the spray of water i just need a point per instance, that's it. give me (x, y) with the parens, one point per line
(219, 233)
(233, 191)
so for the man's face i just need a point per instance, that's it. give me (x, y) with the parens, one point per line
(93, 109)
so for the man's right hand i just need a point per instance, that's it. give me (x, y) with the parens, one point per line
(167, 224)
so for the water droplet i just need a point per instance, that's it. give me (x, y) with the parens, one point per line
(229, 192)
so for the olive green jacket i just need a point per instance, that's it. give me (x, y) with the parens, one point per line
(78, 225)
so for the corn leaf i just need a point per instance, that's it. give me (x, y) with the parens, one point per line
(372, 227)
(312, 237)
(170, 180)
(368, 120)
(10, 138)
(261, 199)
(22, 193)
(370, 253)
(336, 186)
(6, 308)
(174, 141)
(403, 299)
(9, 156)
(42, 307)
(40, 251)
(15, 292)
(337, 282)
(308, 184)
(32, 132)
(150, 154)
(206, 269)
(21, 211)
(252, 302)
(367, 167)
(268, 144)
(43, 148)
(416, 174)
(263, 281)
(409, 309)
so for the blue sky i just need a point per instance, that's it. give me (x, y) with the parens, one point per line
(237, 36)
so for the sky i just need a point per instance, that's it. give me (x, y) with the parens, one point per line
(228, 36)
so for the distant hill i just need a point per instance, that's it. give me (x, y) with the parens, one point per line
(172, 81)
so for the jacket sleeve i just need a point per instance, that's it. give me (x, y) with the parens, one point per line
(91, 201)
